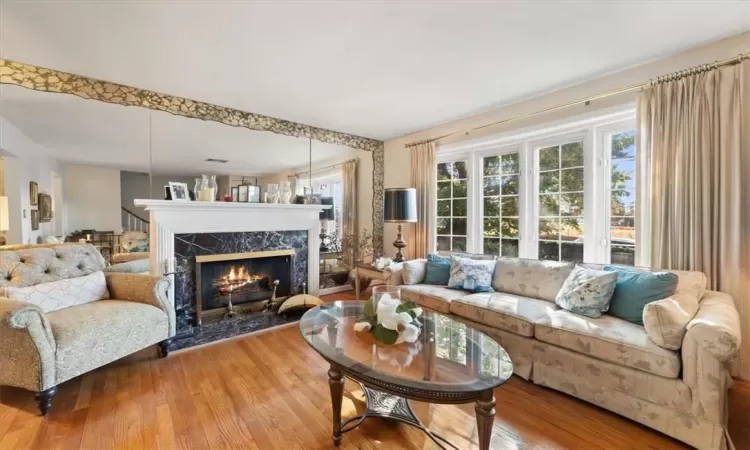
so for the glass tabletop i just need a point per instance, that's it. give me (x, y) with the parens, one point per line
(449, 355)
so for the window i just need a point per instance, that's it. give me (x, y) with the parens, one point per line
(500, 204)
(452, 206)
(560, 202)
(622, 197)
(450, 339)
(563, 192)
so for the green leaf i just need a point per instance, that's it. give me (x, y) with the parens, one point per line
(369, 309)
(406, 306)
(384, 335)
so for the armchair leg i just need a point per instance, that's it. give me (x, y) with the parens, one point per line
(44, 399)
(164, 347)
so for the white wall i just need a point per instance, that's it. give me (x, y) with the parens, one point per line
(397, 162)
(134, 185)
(25, 161)
(92, 197)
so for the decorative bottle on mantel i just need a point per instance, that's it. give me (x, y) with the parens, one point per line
(285, 192)
(213, 187)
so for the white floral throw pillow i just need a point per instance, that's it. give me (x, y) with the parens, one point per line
(587, 291)
(471, 274)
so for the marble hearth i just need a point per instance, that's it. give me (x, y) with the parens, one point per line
(180, 231)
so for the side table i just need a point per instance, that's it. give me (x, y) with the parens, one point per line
(366, 270)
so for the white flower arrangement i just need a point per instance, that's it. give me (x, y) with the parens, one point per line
(382, 263)
(393, 322)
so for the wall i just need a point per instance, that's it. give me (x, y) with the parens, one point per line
(135, 185)
(92, 197)
(25, 161)
(397, 162)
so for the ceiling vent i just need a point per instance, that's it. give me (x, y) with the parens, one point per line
(215, 160)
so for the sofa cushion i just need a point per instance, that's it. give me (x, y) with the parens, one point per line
(414, 271)
(91, 335)
(666, 320)
(437, 298)
(438, 269)
(609, 339)
(587, 291)
(471, 274)
(507, 312)
(635, 289)
(45, 263)
(530, 278)
(62, 293)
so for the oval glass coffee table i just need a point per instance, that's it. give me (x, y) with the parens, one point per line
(450, 363)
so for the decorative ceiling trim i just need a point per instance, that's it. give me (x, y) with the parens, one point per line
(51, 80)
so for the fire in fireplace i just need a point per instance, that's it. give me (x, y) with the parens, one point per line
(239, 282)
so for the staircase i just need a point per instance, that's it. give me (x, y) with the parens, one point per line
(131, 222)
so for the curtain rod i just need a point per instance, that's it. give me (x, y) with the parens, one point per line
(324, 168)
(670, 77)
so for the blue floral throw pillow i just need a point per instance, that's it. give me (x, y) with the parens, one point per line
(587, 291)
(471, 274)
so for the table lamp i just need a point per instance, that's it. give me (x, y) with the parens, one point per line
(400, 207)
(4, 219)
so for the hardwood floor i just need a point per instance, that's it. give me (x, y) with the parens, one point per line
(270, 391)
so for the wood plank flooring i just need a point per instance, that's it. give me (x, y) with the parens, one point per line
(270, 391)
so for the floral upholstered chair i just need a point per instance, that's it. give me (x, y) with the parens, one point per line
(61, 316)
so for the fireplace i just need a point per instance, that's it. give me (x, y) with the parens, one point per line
(230, 284)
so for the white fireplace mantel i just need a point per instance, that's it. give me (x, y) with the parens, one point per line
(170, 217)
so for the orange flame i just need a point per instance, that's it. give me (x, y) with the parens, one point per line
(237, 277)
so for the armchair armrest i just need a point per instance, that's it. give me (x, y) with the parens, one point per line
(27, 346)
(148, 289)
(710, 343)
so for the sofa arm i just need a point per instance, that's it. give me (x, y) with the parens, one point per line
(27, 346)
(710, 343)
(394, 274)
(149, 289)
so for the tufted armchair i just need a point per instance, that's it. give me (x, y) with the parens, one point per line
(61, 316)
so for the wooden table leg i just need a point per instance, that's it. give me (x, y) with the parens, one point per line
(336, 383)
(485, 411)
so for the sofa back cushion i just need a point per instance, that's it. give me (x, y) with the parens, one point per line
(45, 264)
(477, 256)
(530, 277)
(438, 269)
(587, 291)
(688, 281)
(472, 275)
(63, 293)
(635, 289)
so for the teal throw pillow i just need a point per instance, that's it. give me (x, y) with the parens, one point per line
(438, 269)
(635, 289)
(472, 275)
(587, 291)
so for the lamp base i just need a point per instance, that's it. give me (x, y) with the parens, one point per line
(400, 244)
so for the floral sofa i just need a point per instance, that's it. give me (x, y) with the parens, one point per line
(606, 361)
(61, 315)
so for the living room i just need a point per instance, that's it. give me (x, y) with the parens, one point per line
(550, 227)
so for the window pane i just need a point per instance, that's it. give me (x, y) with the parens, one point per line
(443, 226)
(459, 170)
(623, 202)
(622, 220)
(572, 155)
(459, 244)
(622, 254)
(571, 180)
(459, 189)
(444, 189)
(444, 243)
(571, 204)
(459, 227)
(571, 229)
(492, 226)
(444, 171)
(510, 206)
(491, 186)
(444, 208)
(492, 206)
(571, 252)
(622, 230)
(623, 145)
(510, 163)
(623, 174)
(509, 228)
(549, 205)
(549, 158)
(491, 246)
(459, 207)
(492, 165)
(549, 229)
(549, 251)
(510, 185)
(510, 247)
(549, 182)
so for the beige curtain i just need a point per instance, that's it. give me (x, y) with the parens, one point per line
(349, 204)
(424, 179)
(697, 134)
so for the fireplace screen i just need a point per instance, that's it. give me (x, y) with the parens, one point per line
(241, 282)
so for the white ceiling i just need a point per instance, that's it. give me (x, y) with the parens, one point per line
(379, 69)
(75, 130)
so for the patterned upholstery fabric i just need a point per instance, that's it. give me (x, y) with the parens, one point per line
(414, 271)
(519, 348)
(475, 256)
(471, 274)
(91, 335)
(609, 339)
(148, 289)
(134, 241)
(530, 278)
(587, 291)
(62, 293)
(666, 320)
(437, 298)
(507, 312)
(127, 257)
(44, 264)
(137, 266)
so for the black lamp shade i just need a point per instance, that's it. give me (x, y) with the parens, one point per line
(327, 214)
(400, 205)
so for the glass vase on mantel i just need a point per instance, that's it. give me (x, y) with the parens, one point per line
(285, 192)
(207, 191)
(272, 193)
